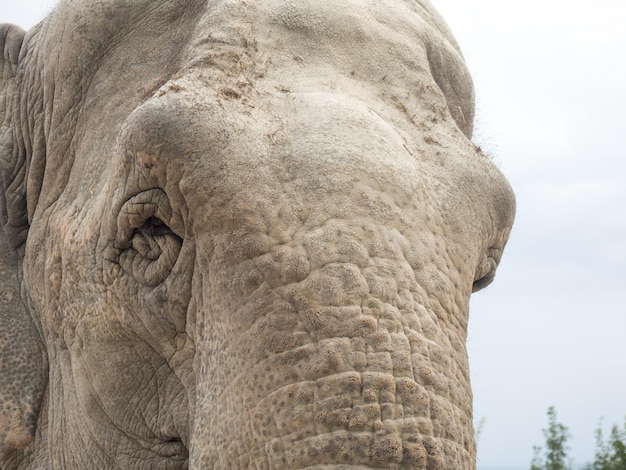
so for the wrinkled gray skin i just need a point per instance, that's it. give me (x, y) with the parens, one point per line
(240, 234)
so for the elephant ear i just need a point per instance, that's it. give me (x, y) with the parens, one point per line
(23, 366)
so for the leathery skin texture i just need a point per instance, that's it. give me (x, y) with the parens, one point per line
(240, 234)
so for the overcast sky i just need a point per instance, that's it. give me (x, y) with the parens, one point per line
(550, 77)
(551, 87)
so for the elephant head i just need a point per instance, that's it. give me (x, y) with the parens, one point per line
(240, 234)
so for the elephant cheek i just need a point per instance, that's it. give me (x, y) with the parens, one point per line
(348, 366)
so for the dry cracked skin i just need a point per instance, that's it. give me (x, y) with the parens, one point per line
(240, 234)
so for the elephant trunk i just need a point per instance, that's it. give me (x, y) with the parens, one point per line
(345, 360)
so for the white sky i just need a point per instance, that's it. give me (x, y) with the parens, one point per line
(551, 330)
(550, 77)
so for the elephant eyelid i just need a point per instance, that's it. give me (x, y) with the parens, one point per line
(145, 247)
(156, 227)
(150, 210)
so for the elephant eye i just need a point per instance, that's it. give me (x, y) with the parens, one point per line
(146, 246)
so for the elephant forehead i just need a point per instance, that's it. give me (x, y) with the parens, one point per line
(116, 53)
(302, 131)
(319, 145)
(334, 141)
(367, 39)
(354, 18)
(384, 38)
(114, 19)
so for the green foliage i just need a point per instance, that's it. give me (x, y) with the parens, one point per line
(555, 453)
(479, 429)
(536, 463)
(610, 453)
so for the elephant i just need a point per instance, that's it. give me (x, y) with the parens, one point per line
(240, 234)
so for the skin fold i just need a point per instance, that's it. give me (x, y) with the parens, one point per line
(240, 234)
